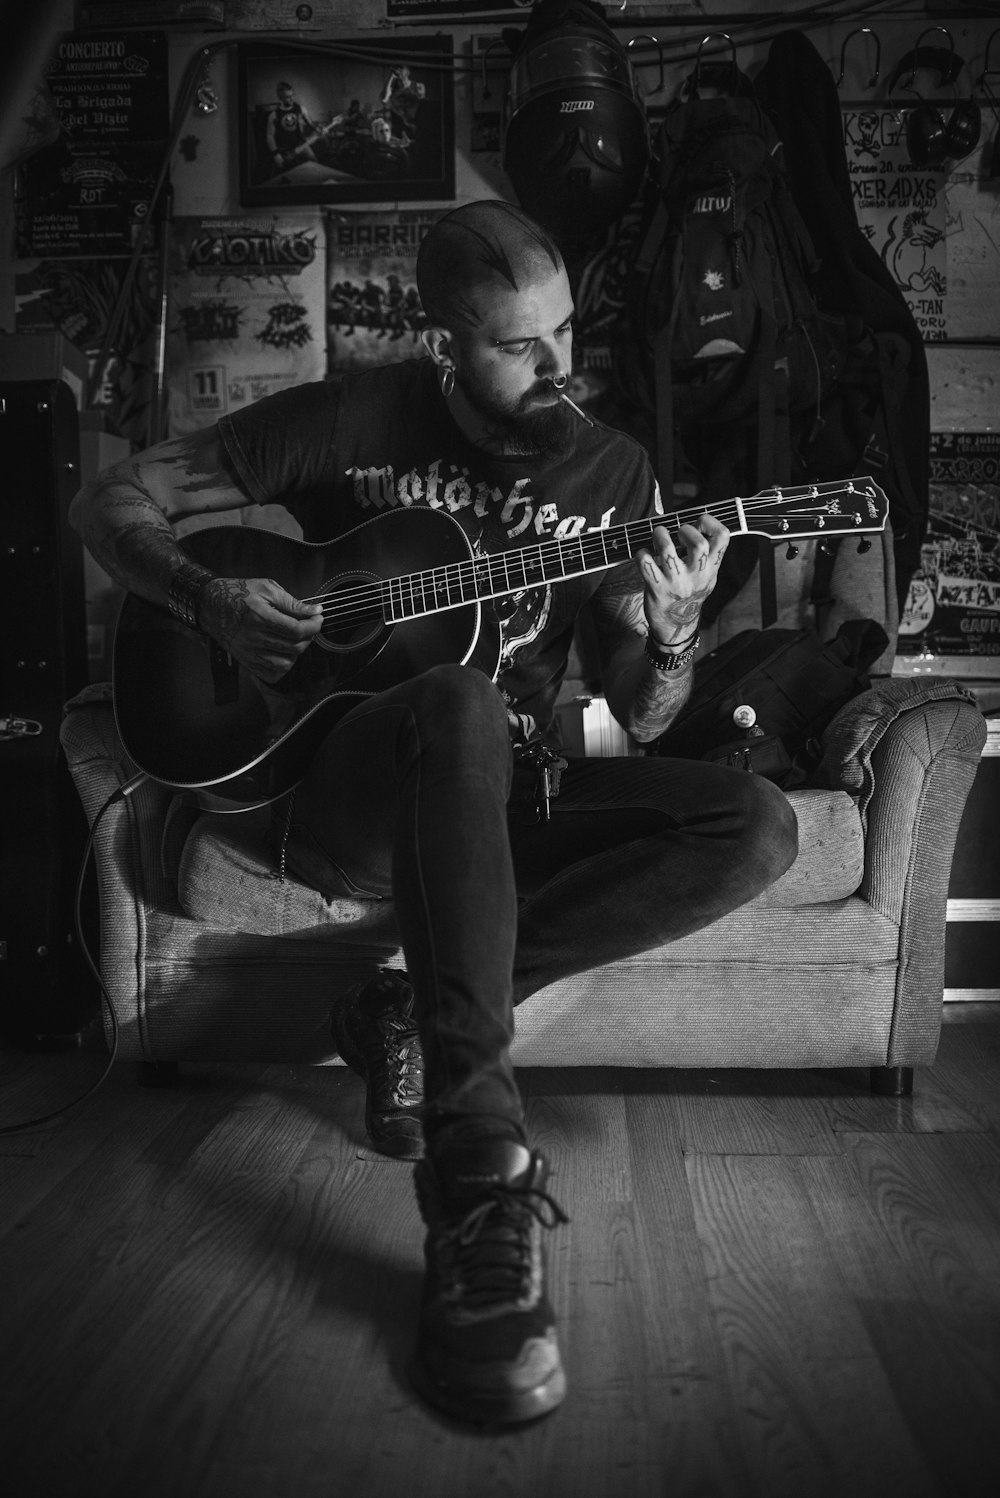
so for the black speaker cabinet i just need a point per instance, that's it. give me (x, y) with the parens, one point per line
(44, 988)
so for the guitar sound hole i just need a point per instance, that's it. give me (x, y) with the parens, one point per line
(353, 609)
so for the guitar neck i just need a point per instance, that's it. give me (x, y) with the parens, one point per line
(813, 509)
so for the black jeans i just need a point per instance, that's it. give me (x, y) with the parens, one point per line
(408, 798)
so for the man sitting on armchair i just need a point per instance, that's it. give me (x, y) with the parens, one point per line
(508, 867)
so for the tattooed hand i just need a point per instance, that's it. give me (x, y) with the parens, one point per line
(261, 625)
(678, 574)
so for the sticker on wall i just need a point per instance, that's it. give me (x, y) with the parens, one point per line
(953, 606)
(373, 311)
(78, 298)
(246, 314)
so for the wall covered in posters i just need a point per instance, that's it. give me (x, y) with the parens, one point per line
(245, 314)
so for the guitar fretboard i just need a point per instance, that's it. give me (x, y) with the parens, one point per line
(809, 510)
(504, 572)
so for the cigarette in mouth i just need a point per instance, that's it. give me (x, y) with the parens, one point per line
(574, 407)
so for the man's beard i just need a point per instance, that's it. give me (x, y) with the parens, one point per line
(547, 430)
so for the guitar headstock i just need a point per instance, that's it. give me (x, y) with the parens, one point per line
(788, 513)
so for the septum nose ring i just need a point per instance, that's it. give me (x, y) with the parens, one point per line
(558, 381)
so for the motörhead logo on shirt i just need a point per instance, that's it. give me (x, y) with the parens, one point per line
(443, 486)
(516, 512)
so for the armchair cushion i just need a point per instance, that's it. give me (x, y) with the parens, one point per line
(228, 876)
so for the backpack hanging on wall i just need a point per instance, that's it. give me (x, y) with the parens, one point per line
(727, 328)
(755, 364)
(886, 387)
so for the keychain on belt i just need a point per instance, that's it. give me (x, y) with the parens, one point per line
(548, 767)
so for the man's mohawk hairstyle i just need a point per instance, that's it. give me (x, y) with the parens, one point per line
(473, 245)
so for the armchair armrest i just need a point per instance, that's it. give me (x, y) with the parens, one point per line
(132, 885)
(909, 750)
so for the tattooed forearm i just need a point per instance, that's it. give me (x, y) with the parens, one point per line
(658, 698)
(125, 516)
(224, 606)
(644, 700)
(131, 538)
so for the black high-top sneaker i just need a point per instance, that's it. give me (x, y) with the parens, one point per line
(376, 1034)
(486, 1348)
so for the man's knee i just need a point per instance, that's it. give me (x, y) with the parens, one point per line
(463, 706)
(460, 691)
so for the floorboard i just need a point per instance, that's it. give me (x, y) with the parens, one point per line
(771, 1284)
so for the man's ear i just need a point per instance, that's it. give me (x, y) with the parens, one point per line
(438, 343)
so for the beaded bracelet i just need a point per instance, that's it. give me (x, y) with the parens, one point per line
(672, 662)
(185, 590)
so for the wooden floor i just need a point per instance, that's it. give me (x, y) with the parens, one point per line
(772, 1284)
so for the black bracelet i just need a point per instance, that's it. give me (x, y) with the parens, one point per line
(672, 662)
(185, 590)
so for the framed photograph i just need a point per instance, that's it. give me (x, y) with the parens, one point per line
(372, 123)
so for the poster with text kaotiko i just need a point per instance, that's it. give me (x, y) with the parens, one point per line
(245, 315)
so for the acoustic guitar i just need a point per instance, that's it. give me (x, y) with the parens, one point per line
(402, 592)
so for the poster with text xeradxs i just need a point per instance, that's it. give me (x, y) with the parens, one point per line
(902, 210)
(245, 314)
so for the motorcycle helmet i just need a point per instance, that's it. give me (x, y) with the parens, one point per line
(575, 142)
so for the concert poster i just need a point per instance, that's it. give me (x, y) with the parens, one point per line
(953, 605)
(88, 192)
(373, 311)
(245, 314)
(364, 122)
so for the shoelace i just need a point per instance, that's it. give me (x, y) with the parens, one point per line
(404, 1060)
(490, 1247)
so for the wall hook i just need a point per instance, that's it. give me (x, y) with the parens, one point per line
(645, 37)
(862, 31)
(987, 70)
(715, 36)
(947, 73)
(497, 41)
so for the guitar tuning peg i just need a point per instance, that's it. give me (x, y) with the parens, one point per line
(826, 548)
(792, 552)
(864, 545)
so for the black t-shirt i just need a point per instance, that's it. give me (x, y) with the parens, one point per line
(336, 454)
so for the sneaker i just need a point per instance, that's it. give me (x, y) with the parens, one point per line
(376, 1034)
(486, 1349)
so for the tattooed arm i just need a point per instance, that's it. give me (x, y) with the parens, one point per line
(676, 579)
(125, 519)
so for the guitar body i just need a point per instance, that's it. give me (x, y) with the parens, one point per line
(191, 718)
(400, 594)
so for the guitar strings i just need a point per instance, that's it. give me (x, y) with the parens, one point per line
(410, 591)
(369, 597)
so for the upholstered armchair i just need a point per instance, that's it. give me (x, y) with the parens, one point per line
(207, 953)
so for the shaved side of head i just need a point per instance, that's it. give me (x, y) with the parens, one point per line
(473, 246)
